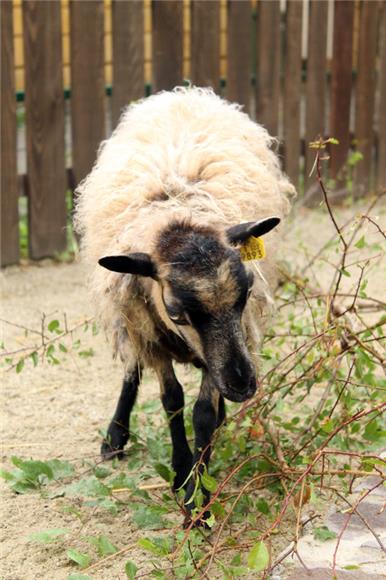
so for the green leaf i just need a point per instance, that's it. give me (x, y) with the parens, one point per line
(149, 517)
(258, 557)
(131, 570)
(105, 547)
(20, 365)
(108, 504)
(164, 471)
(208, 482)
(262, 506)
(101, 472)
(53, 326)
(323, 534)
(156, 546)
(87, 487)
(35, 358)
(361, 243)
(373, 432)
(217, 509)
(47, 536)
(23, 486)
(82, 559)
(86, 353)
(33, 469)
(7, 475)
(122, 480)
(210, 521)
(60, 468)
(354, 158)
(149, 546)
(78, 577)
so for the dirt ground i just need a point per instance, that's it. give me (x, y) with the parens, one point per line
(56, 411)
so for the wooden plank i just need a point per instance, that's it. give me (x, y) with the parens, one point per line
(292, 89)
(316, 83)
(167, 44)
(381, 161)
(268, 65)
(365, 96)
(87, 84)
(9, 240)
(238, 86)
(44, 104)
(341, 83)
(128, 54)
(205, 43)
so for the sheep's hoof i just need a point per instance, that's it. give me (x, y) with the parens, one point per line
(201, 523)
(113, 445)
(109, 452)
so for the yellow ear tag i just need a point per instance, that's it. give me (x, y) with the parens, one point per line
(252, 249)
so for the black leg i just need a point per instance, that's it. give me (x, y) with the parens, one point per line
(118, 431)
(172, 397)
(221, 415)
(205, 417)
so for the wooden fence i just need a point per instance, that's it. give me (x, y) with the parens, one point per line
(290, 87)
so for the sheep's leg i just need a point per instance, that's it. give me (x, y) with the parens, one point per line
(221, 413)
(205, 421)
(118, 431)
(172, 397)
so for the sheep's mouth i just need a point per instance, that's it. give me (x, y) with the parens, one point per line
(236, 395)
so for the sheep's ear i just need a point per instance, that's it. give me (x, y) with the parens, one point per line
(135, 263)
(240, 233)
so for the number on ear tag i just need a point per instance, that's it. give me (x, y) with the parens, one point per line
(252, 249)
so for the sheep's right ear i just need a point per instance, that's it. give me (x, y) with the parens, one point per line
(136, 263)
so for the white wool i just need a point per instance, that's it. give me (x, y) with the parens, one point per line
(188, 154)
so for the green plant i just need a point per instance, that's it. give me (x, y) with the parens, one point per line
(315, 426)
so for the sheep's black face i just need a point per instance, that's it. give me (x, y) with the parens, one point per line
(201, 289)
(204, 289)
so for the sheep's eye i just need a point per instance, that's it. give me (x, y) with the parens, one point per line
(181, 320)
(177, 316)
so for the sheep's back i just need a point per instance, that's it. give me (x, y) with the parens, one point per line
(171, 148)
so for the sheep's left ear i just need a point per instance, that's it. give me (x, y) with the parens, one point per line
(240, 233)
(136, 263)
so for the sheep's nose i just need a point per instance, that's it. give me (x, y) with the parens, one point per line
(237, 370)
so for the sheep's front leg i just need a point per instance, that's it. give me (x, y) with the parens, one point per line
(205, 421)
(172, 397)
(118, 431)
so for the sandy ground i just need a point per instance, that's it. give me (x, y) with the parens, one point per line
(56, 411)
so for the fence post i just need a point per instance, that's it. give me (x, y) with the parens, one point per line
(341, 83)
(239, 53)
(87, 84)
(205, 43)
(128, 54)
(9, 241)
(315, 84)
(268, 65)
(167, 44)
(292, 89)
(364, 95)
(44, 103)
(381, 165)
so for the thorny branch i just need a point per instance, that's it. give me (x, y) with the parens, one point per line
(337, 337)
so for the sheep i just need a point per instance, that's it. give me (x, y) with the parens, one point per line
(177, 193)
